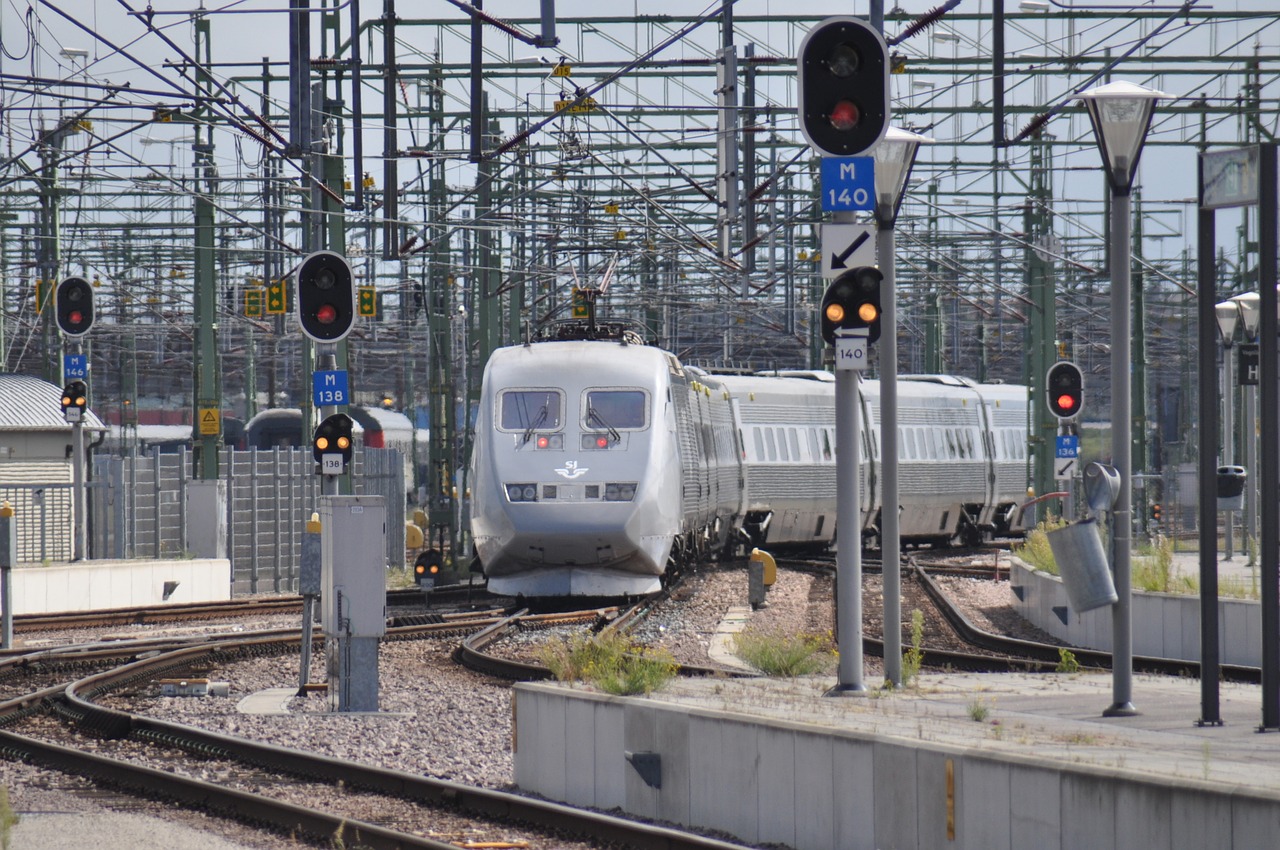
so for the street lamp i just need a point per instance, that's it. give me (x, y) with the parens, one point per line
(1227, 314)
(894, 156)
(1121, 116)
(1250, 320)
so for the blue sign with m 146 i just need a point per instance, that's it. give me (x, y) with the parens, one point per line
(75, 367)
(848, 183)
(329, 388)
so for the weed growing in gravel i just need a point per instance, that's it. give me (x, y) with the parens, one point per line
(8, 817)
(777, 654)
(978, 710)
(611, 662)
(1067, 662)
(914, 657)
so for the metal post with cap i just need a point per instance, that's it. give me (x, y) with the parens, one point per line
(8, 559)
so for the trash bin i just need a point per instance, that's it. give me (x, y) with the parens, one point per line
(1082, 563)
(1231, 481)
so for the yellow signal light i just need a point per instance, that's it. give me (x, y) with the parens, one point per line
(322, 443)
(66, 401)
(344, 443)
(867, 312)
(835, 313)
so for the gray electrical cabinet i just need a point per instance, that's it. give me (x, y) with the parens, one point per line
(353, 597)
(353, 565)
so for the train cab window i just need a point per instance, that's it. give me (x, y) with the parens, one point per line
(620, 409)
(530, 410)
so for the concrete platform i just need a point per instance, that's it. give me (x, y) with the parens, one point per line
(963, 760)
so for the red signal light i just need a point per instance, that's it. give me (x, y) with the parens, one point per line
(845, 115)
(76, 317)
(1066, 402)
(327, 314)
(543, 442)
(602, 442)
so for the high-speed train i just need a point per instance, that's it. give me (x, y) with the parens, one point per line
(599, 462)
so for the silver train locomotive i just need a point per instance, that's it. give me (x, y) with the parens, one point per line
(599, 462)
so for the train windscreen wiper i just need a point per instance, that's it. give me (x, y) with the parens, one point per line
(537, 423)
(593, 414)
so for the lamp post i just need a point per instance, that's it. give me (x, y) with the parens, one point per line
(1228, 315)
(894, 157)
(1121, 116)
(1250, 304)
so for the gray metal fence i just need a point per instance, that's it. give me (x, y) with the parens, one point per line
(139, 508)
(42, 516)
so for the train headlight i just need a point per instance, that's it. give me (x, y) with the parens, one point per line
(522, 492)
(619, 492)
(554, 442)
(595, 442)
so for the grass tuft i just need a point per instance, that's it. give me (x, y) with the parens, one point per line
(610, 662)
(776, 654)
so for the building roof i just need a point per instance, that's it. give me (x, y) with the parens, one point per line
(31, 404)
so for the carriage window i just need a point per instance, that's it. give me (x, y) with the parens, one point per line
(759, 443)
(615, 409)
(951, 443)
(813, 445)
(768, 441)
(795, 444)
(826, 444)
(521, 410)
(782, 444)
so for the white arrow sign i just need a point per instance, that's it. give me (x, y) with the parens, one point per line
(846, 246)
(1064, 468)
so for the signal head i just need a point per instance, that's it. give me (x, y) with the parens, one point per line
(1064, 390)
(75, 401)
(333, 436)
(326, 296)
(853, 301)
(843, 83)
(74, 306)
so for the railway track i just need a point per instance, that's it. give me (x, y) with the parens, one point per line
(409, 804)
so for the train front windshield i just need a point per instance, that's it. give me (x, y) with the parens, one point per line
(530, 409)
(616, 408)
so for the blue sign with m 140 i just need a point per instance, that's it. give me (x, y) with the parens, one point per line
(329, 388)
(848, 183)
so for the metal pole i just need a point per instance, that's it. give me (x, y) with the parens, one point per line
(890, 542)
(849, 547)
(8, 559)
(1121, 456)
(1228, 438)
(1206, 283)
(1269, 462)
(78, 484)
